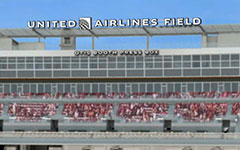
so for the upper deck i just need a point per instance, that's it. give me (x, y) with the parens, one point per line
(203, 62)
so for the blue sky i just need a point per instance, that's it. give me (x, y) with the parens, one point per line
(16, 13)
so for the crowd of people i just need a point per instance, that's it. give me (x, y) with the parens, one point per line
(32, 111)
(90, 112)
(200, 112)
(121, 95)
(130, 112)
(142, 112)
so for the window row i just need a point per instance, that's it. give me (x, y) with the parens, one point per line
(119, 87)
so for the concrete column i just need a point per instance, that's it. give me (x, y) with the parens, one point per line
(204, 40)
(147, 41)
(229, 109)
(171, 109)
(93, 43)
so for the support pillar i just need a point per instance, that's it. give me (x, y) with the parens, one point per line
(147, 41)
(93, 43)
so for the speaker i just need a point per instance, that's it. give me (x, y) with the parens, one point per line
(167, 126)
(225, 126)
(54, 125)
(110, 125)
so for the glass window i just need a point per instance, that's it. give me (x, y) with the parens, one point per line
(84, 65)
(205, 64)
(29, 59)
(75, 66)
(234, 87)
(214, 87)
(215, 57)
(11, 59)
(187, 58)
(235, 64)
(66, 59)
(225, 64)
(177, 64)
(121, 59)
(198, 87)
(102, 60)
(149, 65)
(168, 65)
(111, 59)
(29, 66)
(121, 87)
(158, 58)
(75, 59)
(84, 59)
(235, 57)
(3, 66)
(21, 66)
(196, 64)
(39, 59)
(56, 66)
(177, 87)
(225, 57)
(130, 59)
(149, 58)
(38, 66)
(206, 87)
(142, 88)
(93, 59)
(65, 66)
(158, 65)
(130, 65)
(177, 58)
(57, 59)
(139, 65)
(19, 60)
(170, 87)
(167, 58)
(186, 64)
(48, 59)
(121, 65)
(102, 65)
(11, 66)
(139, 59)
(93, 65)
(157, 87)
(205, 57)
(215, 64)
(149, 87)
(134, 87)
(48, 66)
(196, 57)
(190, 87)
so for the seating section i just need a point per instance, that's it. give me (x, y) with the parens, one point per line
(236, 108)
(87, 112)
(32, 112)
(200, 111)
(130, 112)
(121, 95)
(142, 112)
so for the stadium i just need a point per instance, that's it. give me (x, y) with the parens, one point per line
(153, 99)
